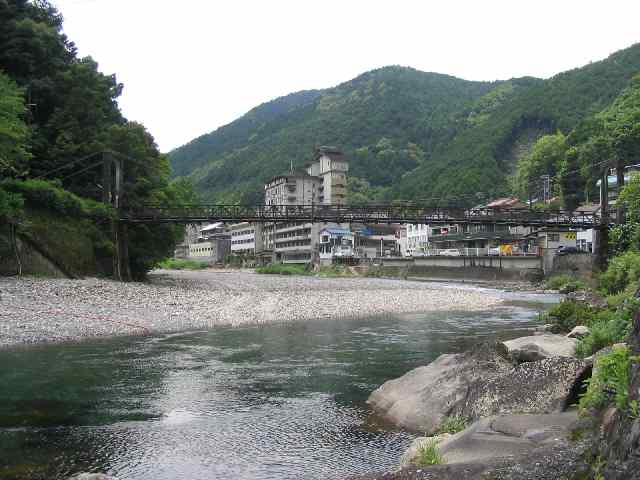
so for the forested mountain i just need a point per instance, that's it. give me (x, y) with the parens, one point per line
(408, 134)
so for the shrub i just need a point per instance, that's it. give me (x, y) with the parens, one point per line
(283, 269)
(11, 205)
(623, 270)
(429, 454)
(565, 283)
(179, 264)
(50, 196)
(610, 382)
(453, 424)
(608, 327)
(569, 313)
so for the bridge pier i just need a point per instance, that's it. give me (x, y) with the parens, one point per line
(112, 180)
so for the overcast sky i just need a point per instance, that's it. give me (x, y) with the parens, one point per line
(190, 66)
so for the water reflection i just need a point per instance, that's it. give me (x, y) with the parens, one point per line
(270, 402)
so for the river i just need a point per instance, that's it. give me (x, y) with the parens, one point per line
(254, 402)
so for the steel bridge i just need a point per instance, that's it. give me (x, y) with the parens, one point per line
(390, 213)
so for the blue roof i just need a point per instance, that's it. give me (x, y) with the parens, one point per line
(337, 231)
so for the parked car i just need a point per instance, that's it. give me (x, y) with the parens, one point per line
(565, 250)
(451, 252)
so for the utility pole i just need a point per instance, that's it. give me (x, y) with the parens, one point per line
(619, 185)
(546, 188)
(112, 182)
(603, 231)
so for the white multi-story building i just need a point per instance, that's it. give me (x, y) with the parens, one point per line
(417, 238)
(246, 238)
(210, 243)
(323, 182)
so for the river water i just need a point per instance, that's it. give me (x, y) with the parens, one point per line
(264, 402)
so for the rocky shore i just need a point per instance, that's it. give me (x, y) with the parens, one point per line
(36, 310)
(517, 397)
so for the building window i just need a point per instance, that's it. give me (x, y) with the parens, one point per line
(554, 237)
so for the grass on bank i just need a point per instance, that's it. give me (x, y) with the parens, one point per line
(611, 382)
(564, 283)
(179, 264)
(453, 424)
(608, 325)
(429, 454)
(335, 271)
(283, 269)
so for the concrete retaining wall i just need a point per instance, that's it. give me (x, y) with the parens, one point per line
(485, 268)
(33, 261)
(580, 264)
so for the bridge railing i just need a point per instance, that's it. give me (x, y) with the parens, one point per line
(383, 213)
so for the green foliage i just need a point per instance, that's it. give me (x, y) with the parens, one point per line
(607, 328)
(14, 133)
(567, 314)
(623, 271)
(546, 157)
(453, 425)
(630, 195)
(360, 192)
(624, 237)
(75, 117)
(610, 382)
(283, 269)
(180, 264)
(49, 195)
(429, 454)
(566, 283)
(11, 206)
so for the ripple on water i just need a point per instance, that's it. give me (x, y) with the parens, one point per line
(270, 402)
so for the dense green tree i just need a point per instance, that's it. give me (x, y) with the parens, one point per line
(547, 157)
(14, 134)
(74, 118)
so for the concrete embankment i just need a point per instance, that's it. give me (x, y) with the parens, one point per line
(40, 310)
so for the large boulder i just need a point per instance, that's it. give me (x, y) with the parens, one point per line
(579, 332)
(492, 438)
(505, 436)
(532, 387)
(421, 399)
(476, 384)
(538, 347)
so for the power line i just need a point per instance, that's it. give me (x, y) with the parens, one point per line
(66, 165)
(83, 170)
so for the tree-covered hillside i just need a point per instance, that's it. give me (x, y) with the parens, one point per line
(387, 121)
(408, 134)
(480, 157)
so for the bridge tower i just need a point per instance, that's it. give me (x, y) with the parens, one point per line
(112, 194)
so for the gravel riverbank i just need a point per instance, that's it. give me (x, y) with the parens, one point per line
(34, 310)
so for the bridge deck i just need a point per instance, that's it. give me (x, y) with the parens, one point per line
(358, 214)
